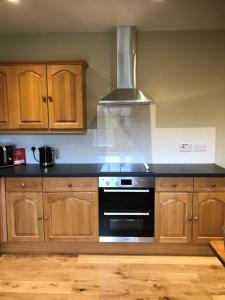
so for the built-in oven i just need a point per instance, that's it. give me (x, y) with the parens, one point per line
(126, 209)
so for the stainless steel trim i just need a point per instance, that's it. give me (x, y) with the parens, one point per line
(144, 182)
(125, 239)
(125, 191)
(125, 214)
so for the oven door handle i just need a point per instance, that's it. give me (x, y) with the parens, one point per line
(126, 191)
(126, 214)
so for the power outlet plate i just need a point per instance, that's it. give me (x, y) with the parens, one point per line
(200, 148)
(185, 147)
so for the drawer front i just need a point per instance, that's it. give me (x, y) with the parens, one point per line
(209, 184)
(24, 184)
(174, 184)
(86, 184)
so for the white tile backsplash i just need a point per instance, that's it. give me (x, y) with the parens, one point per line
(124, 134)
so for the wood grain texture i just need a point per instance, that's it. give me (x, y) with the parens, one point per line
(110, 278)
(173, 217)
(174, 184)
(6, 116)
(208, 216)
(67, 184)
(23, 184)
(106, 248)
(209, 184)
(218, 248)
(66, 96)
(71, 216)
(29, 88)
(24, 216)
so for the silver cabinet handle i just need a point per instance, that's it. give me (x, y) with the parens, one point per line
(126, 214)
(126, 191)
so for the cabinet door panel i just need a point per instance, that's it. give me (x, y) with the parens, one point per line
(65, 96)
(173, 217)
(30, 96)
(71, 216)
(6, 117)
(209, 216)
(25, 216)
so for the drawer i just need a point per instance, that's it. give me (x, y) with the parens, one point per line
(207, 184)
(73, 184)
(174, 184)
(24, 184)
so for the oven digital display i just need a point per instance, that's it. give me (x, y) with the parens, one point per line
(126, 182)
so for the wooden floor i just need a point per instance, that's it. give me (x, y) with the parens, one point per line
(111, 278)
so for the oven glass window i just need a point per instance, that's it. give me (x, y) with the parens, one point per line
(126, 226)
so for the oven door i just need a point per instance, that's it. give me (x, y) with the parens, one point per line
(126, 215)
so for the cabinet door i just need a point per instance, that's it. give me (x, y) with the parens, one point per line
(6, 117)
(71, 216)
(65, 91)
(30, 96)
(25, 216)
(209, 216)
(173, 217)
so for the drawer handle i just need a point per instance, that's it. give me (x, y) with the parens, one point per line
(214, 185)
(174, 185)
(39, 218)
(23, 184)
(46, 218)
(196, 218)
(70, 185)
(189, 218)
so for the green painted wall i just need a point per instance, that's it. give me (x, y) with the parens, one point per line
(184, 71)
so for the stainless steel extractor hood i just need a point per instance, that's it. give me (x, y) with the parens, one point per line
(126, 91)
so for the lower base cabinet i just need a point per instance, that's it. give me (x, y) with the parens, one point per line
(174, 217)
(208, 216)
(187, 217)
(71, 216)
(25, 216)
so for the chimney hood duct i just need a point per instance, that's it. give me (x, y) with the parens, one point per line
(126, 91)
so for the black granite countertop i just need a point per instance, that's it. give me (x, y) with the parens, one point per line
(85, 170)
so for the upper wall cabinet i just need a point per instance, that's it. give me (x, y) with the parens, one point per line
(65, 94)
(30, 96)
(6, 120)
(43, 97)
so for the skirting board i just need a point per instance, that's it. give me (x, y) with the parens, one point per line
(104, 248)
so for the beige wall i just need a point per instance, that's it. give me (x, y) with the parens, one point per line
(184, 71)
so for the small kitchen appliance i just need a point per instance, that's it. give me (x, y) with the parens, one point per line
(126, 209)
(47, 156)
(6, 155)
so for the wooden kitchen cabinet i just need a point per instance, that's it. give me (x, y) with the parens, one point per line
(30, 96)
(6, 117)
(24, 216)
(174, 217)
(65, 95)
(43, 97)
(71, 216)
(208, 216)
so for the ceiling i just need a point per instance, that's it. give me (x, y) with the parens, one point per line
(103, 15)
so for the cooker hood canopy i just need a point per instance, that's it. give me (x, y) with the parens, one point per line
(126, 91)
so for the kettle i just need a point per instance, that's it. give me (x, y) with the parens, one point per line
(47, 155)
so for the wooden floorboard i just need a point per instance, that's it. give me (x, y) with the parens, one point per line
(108, 277)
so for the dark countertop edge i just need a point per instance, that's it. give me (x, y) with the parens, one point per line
(93, 170)
(115, 175)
